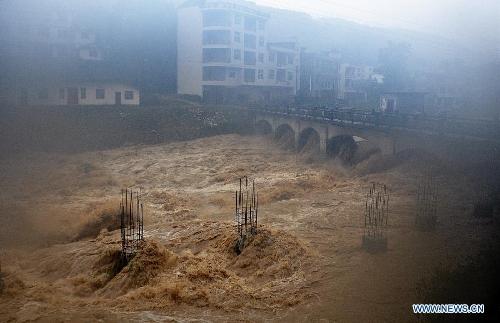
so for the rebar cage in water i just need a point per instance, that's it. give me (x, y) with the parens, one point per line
(2, 284)
(376, 211)
(131, 221)
(246, 209)
(427, 197)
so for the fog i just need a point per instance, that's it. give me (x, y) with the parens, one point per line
(467, 21)
(456, 38)
(249, 161)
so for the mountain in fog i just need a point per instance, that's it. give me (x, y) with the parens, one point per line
(360, 44)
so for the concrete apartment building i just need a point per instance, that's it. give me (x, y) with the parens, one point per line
(49, 59)
(351, 81)
(224, 56)
(319, 76)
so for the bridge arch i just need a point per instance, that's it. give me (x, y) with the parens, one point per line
(342, 146)
(285, 136)
(309, 140)
(263, 127)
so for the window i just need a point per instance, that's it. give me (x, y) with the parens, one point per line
(232, 74)
(349, 72)
(83, 93)
(61, 94)
(289, 76)
(261, 58)
(249, 75)
(260, 24)
(250, 41)
(216, 55)
(272, 57)
(237, 54)
(250, 23)
(216, 18)
(281, 58)
(129, 95)
(281, 75)
(216, 37)
(260, 74)
(214, 73)
(43, 94)
(289, 59)
(271, 74)
(237, 37)
(261, 41)
(93, 52)
(237, 19)
(250, 58)
(99, 93)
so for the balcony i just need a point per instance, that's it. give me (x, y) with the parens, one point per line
(216, 55)
(216, 37)
(216, 18)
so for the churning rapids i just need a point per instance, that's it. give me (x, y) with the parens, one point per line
(59, 241)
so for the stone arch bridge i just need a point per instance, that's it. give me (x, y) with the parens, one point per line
(328, 136)
(333, 135)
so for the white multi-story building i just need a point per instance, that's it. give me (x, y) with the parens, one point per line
(223, 54)
(48, 59)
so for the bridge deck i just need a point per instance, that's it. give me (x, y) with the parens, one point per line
(454, 127)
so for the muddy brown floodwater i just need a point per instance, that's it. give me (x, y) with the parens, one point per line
(59, 260)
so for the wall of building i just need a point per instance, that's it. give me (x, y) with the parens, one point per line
(58, 94)
(90, 53)
(217, 94)
(318, 75)
(189, 53)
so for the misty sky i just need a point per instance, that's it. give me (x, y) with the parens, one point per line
(475, 20)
